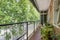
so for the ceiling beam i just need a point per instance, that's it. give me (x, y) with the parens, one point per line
(34, 4)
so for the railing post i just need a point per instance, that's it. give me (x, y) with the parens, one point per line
(34, 26)
(27, 29)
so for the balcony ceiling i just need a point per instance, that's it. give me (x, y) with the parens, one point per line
(42, 5)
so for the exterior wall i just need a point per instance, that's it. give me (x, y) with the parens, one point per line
(59, 16)
(51, 13)
(56, 13)
(59, 12)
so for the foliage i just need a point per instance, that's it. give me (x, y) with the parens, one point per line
(47, 32)
(58, 36)
(8, 36)
(15, 11)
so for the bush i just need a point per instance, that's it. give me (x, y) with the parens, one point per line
(47, 32)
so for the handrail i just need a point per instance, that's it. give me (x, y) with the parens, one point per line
(17, 23)
(26, 33)
(21, 36)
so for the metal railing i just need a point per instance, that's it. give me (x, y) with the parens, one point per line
(17, 31)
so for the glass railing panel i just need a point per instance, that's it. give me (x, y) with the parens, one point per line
(11, 32)
(30, 28)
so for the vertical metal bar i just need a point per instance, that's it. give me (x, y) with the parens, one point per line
(27, 29)
(34, 26)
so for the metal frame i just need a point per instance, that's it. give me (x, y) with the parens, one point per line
(26, 27)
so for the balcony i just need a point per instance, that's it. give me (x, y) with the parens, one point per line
(30, 30)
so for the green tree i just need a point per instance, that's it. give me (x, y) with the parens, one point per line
(15, 11)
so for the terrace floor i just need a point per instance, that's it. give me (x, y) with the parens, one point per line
(36, 35)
